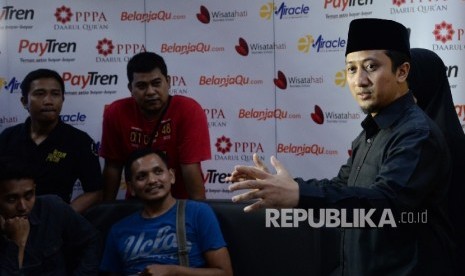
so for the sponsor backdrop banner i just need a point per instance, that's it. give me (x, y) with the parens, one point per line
(269, 74)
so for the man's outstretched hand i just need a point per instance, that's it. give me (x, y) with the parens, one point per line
(270, 190)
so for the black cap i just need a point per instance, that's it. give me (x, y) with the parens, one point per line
(377, 34)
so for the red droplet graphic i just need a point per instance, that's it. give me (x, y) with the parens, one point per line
(281, 81)
(204, 15)
(242, 49)
(318, 116)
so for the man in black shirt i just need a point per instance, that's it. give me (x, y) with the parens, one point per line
(399, 167)
(62, 153)
(41, 235)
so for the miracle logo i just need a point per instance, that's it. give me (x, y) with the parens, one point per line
(73, 118)
(329, 45)
(11, 85)
(291, 12)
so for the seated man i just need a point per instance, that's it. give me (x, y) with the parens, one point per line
(41, 235)
(62, 152)
(151, 117)
(146, 241)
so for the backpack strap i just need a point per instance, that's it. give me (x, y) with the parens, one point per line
(181, 232)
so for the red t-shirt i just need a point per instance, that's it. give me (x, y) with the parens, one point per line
(182, 134)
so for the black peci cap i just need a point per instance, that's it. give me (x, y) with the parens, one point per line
(377, 34)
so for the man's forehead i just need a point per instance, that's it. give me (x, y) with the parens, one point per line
(14, 186)
(45, 80)
(45, 83)
(147, 79)
(363, 56)
(149, 161)
(155, 73)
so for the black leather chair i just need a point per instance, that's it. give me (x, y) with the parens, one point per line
(254, 248)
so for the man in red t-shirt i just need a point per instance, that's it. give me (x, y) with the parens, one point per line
(176, 125)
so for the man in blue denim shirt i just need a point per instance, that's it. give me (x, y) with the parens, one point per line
(400, 166)
(41, 235)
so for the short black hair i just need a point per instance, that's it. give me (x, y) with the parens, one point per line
(15, 168)
(145, 62)
(40, 74)
(139, 153)
(397, 58)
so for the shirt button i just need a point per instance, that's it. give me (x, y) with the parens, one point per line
(369, 140)
(358, 168)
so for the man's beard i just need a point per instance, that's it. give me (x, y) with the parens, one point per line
(365, 110)
(370, 109)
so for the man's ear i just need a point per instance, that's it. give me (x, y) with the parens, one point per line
(173, 177)
(402, 72)
(168, 79)
(130, 87)
(24, 102)
(2, 223)
(128, 187)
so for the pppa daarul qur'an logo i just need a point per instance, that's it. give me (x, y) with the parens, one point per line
(398, 2)
(110, 51)
(105, 47)
(460, 109)
(443, 32)
(418, 6)
(223, 144)
(86, 19)
(304, 43)
(63, 14)
(238, 150)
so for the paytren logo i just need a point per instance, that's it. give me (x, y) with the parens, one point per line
(10, 13)
(92, 78)
(50, 46)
